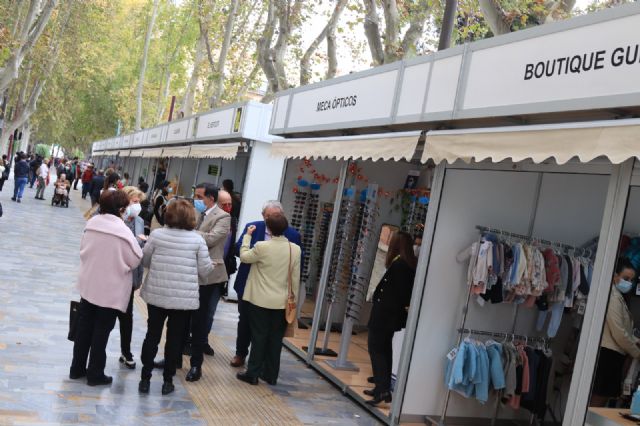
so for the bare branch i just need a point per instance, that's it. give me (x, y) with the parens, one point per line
(327, 32)
(418, 14)
(143, 64)
(224, 52)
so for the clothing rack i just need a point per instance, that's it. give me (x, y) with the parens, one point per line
(502, 335)
(552, 244)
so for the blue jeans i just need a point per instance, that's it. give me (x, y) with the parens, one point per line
(18, 188)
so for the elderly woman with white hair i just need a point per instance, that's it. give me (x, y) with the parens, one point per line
(261, 233)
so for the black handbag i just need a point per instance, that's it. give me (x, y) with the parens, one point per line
(74, 308)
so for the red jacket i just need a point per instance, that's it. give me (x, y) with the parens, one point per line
(87, 175)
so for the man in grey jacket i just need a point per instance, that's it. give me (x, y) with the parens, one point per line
(213, 225)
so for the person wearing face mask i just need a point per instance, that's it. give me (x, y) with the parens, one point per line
(109, 254)
(160, 205)
(214, 225)
(135, 223)
(618, 340)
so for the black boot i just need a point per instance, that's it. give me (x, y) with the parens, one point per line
(144, 385)
(247, 379)
(194, 374)
(104, 380)
(381, 397)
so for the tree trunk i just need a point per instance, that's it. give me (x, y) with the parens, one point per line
(492, 13)
(31, 30)
(190, 92)
(391, 31)
(419, 12)
(327, 32)
(218, 73)
(143, 64)
(372, 32)
(247, 82)
(264, 52)
(162, 100)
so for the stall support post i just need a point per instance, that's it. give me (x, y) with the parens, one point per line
(179, 176)
(417, 295)
(598, 301)
(195, 177)
(150, 170)
(324, 274)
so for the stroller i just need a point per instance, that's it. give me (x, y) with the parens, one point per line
(61, 196)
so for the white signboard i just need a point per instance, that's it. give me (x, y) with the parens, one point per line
(126, 141)
(443, 84)
(154, 136)
(601, 59)
(215, 124)
(362, 99)
(137, 138)
(178, 131)
(414, 87)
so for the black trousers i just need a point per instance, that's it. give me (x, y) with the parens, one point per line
(176, 320)
(86, 188)
(75, 183)
(94, 326)
(1, 183)
(244, 330)
(126, 328)
(199, 326)
(380, 343)
(267, 331)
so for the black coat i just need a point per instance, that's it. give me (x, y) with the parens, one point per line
(392, 297)
(96, 186)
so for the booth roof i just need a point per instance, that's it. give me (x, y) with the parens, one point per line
(386, 146)
(227, 151)
(152, 152)
(617, 140)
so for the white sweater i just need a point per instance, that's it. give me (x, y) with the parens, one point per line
(175, 258)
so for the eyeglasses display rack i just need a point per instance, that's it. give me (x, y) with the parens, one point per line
(359, 273)
(341, 261)
(308, 234)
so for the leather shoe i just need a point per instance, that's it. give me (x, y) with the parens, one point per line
(382, 397)
(76, 376)
(186, 350)
(247, 379)
(167, 387)
(371, 379)
(270, 382)
(370, 392)
(208, 350)
(194, 374)
(104, 380)
(144, 385)
(237, 361)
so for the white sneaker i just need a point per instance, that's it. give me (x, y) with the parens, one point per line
(129, 363)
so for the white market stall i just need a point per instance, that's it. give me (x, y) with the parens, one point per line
(539, 156)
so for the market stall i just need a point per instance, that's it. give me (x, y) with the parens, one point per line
(557, 187)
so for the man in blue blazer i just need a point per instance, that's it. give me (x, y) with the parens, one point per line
(261, 233)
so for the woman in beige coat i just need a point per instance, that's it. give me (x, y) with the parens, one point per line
(618, 340)
(275, 262)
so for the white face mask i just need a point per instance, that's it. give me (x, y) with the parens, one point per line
(134, 210)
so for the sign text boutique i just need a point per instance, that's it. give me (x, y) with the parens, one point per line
(585, 62)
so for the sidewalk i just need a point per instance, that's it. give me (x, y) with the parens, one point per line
(38, 263)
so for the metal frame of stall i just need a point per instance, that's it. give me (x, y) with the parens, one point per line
(454, 85)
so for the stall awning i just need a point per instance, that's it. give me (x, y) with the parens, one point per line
(125, 153)
(386, 146)
(617, 140)
(228, 151)
(136, 153)
(176, 152)
(152, 152)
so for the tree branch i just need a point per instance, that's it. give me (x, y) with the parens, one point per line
(222, 58)
(494, 16)
(372, 32)
(264, 52)
(391, 30)
(418, 14)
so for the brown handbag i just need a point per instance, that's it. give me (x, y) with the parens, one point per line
(291, 305)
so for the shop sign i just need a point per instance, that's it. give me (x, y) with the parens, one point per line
(215, 124)
(362, 99)
(601, 59)
(153, 137)
(213, 170)
(178, 131)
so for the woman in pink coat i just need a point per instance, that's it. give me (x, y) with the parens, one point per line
(108, 254)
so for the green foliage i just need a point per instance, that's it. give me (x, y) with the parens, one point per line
(43, 150)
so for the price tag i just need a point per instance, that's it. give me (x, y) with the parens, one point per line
(480, 300)
(452, 354)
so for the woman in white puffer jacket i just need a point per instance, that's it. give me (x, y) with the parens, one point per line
(175, 255)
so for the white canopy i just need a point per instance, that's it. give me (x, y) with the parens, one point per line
(384, 146)
(617, 140)
(136, 153)
(227, 151)
(176, 152)
(152, 152)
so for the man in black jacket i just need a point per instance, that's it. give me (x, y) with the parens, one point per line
(7, 168)
(96, 186)
(34, 165)
(21, 176)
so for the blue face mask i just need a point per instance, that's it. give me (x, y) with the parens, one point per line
(200, 206)
(170, 190)
(624, 286)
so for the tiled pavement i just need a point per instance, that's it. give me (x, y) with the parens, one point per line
(38, 261)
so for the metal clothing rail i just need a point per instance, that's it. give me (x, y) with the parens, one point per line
(503, 335)
(553, 244)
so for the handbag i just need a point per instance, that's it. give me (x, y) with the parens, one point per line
(74, 308)
(291, 305)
